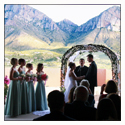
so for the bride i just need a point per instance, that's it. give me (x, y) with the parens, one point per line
(70, 80)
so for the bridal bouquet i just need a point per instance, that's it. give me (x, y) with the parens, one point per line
(23, 75)
(44, 77)
(34, 77)
(29, 75)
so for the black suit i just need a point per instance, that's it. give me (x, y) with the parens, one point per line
(80, 71)
(54, 116)
(79, 111)
(91, 76)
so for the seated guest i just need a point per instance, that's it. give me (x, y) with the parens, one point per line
(70, 97)
(111, 87)
(78, 109)
(117, 102)
(106, 110)
(91, 100)
(56, 103)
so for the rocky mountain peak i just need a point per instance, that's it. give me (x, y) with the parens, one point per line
(67, 26)
(28, 15)
(68, 22)
(109, 19)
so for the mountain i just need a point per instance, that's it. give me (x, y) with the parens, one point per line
(67, 26)
(102, 29)
(109, 19)
(28, 28)
(35, 23)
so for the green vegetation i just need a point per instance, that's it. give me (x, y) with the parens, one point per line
(49, 58)
(52, 57)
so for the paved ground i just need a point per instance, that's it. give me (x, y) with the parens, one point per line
(31, 116)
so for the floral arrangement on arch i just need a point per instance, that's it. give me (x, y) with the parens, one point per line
(62, 88)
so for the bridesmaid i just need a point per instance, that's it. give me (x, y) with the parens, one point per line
(12, 106)
(24, 96)
(30, 90)
(41, 101)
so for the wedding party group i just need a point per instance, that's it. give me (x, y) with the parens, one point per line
(75, 104)
(22, 98)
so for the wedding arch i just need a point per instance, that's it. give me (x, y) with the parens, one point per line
(91, 48)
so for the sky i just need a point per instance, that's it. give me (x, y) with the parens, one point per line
(78, 14)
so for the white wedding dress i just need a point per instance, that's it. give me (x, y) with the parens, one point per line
(71, 83)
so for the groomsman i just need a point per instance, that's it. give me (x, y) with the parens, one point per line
(81, 70)
(91, 75)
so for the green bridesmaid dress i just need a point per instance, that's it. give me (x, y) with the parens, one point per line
(41, 101)
(19, 94)
(12, 106)
(31, 97)
(24, 96)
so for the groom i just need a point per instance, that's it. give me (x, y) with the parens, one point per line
(91, 75)
(81, 70)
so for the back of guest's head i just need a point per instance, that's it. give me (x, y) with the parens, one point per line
(106, 110)
(116, 99)
(111, 87)
(39, 67)
(29, 65)
(71, 64)
(70, 97)
(14, 61)
(55, 100)
(81, 93)
(85, 83)
(21, 61)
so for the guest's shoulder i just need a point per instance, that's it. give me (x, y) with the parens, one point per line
(92, 109)
(91, 97)
(68, 106)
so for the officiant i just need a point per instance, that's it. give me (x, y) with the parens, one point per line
(81, 70)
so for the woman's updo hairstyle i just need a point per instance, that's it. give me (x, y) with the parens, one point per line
(13, 61)
(71, 64)
(28, 65)
(21, 60)
(39, 66)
